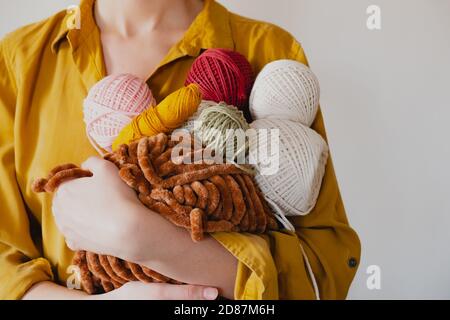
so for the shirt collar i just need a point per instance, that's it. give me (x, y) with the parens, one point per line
(210, 29)
(77, 24)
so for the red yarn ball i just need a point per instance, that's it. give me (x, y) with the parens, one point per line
(223, 75)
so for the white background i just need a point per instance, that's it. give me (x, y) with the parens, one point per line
(385, 98)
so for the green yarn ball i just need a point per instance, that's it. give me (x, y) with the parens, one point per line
(216, 125)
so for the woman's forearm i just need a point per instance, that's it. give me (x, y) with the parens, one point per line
(112, 221)
(47, 290)
(170, 251)
(130, 291)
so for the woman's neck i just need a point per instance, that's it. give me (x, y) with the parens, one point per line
(132, 17)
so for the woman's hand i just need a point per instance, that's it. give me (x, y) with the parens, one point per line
(98, 214)
(130, 291)
(158, 291)
(102, 214)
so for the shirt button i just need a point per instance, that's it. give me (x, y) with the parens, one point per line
(352, 262)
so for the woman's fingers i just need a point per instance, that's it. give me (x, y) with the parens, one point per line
(97, 165)
(91, 163)
(161, 291)
(71, 244)
(185, 292)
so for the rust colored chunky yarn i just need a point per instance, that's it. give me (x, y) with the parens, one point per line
(199, 197)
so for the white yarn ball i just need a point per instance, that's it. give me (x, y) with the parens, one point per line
(303, 154)
(285, 89)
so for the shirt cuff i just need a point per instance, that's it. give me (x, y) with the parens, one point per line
(270, 266)
(256, 277)
(16, 282)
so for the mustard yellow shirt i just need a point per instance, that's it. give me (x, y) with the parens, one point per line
(47, 68)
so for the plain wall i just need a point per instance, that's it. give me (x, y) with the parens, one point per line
(385, 99)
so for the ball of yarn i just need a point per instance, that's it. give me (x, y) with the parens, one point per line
(111, 104)
(221, 128)
(191, 122)
(293, 189)
(217, 125)
(168, 115)
(223, 75)
(285, 89)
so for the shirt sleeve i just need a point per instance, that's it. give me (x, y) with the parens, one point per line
(320, 259)
(331, 246)
(20, 263)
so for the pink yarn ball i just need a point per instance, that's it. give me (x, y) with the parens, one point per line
(111, 104)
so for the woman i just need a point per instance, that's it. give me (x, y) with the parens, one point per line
(45, 72)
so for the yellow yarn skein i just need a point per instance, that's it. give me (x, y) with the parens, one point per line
(168, 115)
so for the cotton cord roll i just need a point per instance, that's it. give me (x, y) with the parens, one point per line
(223, 75)
(216, 125)
(168, 115)
(285, 89)
(111, 104)
(190, 123)
(303, 154)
